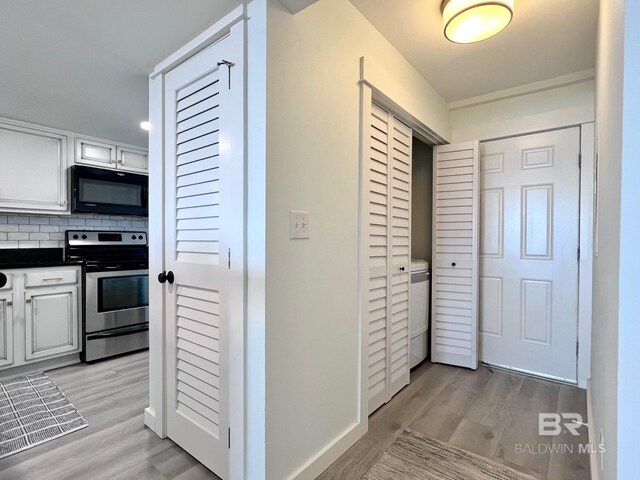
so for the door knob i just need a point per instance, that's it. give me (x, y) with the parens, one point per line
(3, 280)
(402, 269)
(453, 264)
(166, 277)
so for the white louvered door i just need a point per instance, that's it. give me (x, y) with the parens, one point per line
(455, 255)
(203, 222)
(388, 180)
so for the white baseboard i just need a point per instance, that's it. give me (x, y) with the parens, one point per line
(329, 454)
(593, 459)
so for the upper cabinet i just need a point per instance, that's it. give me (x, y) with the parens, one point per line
(92, 152)
(132, 159)
(34, 163)
(107, 155)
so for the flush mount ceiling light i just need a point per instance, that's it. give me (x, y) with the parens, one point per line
(470, 21)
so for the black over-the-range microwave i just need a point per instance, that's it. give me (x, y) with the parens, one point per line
(97, 190)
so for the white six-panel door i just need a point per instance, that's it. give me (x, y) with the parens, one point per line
(204, 222)
(388, 193)
(530, 192)
(455, 255)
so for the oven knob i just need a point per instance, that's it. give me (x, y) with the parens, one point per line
(84, 237)
(75, 237)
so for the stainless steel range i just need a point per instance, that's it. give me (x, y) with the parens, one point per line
(115, 290)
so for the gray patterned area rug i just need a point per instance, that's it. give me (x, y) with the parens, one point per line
(33, 410)
(415, 457)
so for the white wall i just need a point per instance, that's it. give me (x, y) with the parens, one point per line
(313, 122)
(553, 108)
(629, 304)
(421, 199)
(606, 268)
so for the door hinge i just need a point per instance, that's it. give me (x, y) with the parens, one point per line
(577, 348)
(229, 440)
(578, 253)
(580, 160)
(229, 65)
(229, 259)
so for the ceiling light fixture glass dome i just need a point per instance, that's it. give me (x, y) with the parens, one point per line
(471, 21)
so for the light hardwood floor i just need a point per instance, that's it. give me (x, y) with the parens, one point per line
(112, 396)
(485, 412)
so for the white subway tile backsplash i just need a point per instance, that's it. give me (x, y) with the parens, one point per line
(18, 236)
(38, 236)
(47, 231)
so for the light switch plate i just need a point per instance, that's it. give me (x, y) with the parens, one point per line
(298, 224)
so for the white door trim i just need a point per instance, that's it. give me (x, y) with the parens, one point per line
(155, 414)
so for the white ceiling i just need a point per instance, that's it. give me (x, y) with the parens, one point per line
(83, 65)
(546, 39)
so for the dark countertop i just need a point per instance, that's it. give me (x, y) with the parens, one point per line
(32, 258)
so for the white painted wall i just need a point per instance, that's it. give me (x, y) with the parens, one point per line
(553, 108)
(312, 330)
(629, 304)
(606, 268)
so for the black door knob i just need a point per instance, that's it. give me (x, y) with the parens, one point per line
(162, 277)
(453, 264)
(170, 277)
(3, 280)
(402, 269)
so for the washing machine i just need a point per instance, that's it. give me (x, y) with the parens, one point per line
(419, 313)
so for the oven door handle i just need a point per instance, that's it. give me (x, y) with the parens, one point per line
(119, 332)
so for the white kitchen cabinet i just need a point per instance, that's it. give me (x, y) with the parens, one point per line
(51, 321)
(132, 159)
(6, 329)
(95, 153)
(39, 317)
(34, 169)
(98, 153)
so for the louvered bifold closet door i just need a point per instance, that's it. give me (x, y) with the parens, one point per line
(400, 271)
(388, 180)
(455, 255)
(379, 251)
(203, 220)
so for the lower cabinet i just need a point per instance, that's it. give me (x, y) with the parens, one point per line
(6, 329)
(39, 317)
(51, 321)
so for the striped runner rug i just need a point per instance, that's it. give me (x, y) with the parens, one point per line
(413, 456)
(33, 410)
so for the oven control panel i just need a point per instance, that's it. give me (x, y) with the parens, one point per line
(89, 237)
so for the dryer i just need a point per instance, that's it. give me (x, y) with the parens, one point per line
(419, 313)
